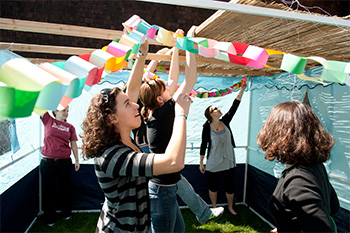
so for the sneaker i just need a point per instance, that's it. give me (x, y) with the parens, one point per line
(50, 224)
(215, 213)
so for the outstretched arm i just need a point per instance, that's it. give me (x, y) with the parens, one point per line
(174, 64)
(190, 70)
(240, 94)
(174, 67)
(135, 79)
(153, 64)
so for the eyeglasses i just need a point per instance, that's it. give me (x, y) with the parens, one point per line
(105, 94)
(213, 109)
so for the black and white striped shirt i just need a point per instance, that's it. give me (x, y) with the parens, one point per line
(123, 175)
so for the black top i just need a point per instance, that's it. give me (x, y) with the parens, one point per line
(226, 119)
(304, 200)
(159, 131)
(140, 132)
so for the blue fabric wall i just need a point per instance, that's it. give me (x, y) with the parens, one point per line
(87, 194)
(20, 203)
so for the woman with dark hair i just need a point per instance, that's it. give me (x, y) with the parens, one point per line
(304, 199)
(60, 140)
(218, 138)
(122, 169)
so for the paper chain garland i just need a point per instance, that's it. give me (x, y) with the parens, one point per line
(25, 87)
(151, 76)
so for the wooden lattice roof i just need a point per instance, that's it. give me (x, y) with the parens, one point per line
(289, 36)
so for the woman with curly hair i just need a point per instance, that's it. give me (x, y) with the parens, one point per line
(304, 199)
(122, 169)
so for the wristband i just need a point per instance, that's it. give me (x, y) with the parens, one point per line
(143, 54)
(181, 116)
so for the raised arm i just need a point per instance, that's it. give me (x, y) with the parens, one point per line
(135, 79)
(174, 64)
(240, 94)
(173, 159)
(153, 64)
(174, 67)
(190, 70)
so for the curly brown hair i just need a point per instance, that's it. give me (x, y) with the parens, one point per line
(149, 92)
(293, 134)
(98, 132)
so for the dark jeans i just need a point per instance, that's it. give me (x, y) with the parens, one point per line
(51, 173)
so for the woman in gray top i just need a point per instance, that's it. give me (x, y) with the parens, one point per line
(218, 138)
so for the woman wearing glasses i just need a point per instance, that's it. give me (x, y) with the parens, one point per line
(122, 169)
(218, 138)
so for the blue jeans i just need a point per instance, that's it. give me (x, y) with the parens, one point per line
(165, 212)
(197, 205)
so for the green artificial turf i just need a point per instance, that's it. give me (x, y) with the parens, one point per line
(246, 221)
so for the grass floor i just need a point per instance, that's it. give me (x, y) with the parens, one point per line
(246, 221)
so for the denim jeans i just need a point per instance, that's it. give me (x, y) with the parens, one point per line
(51, 172)
(197, 205)
(165, 212)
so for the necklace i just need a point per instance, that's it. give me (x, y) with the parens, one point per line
(216, 128)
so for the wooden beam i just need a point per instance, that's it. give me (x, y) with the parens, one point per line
(217, 71)
(62, 29)
(78, 51)
(204, 65)
(34, 48)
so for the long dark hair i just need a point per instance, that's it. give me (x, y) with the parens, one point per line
(98, 131)
(293, 134)
(207, 115)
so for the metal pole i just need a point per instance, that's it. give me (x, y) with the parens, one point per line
(247, 147)
(39, 157)
(256, 10)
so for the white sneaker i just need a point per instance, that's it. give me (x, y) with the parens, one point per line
(50, 224)
(215, 213)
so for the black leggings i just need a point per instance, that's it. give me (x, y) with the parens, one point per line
(229, 180)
